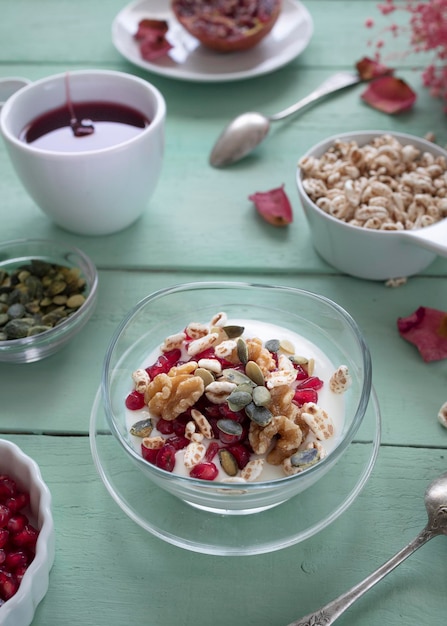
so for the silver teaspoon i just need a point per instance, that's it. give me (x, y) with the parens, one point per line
(247, 131)
(436, 505)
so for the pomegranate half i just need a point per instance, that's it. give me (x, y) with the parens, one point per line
(227, 25)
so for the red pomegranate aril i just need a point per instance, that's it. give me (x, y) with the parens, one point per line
(178, 441)
(4, 536)
(237, 416)
(135, 401)
(241, 453)
(2, 556)
(305, 395)
(165, 427)
(301, 373)
(166, 457)
(179, 424)
(164, 363)
(17, 502)
(204, 471)
(5, 514)
(313, 382)
(149, 454)
(8, 486)
(26, 537)
(17, 523)
(16, 559)
(9, 585)
(20, 572)
(212, 450)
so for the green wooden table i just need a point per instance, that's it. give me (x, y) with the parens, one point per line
(200, 225)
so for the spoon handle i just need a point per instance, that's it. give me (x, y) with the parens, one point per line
(330, 612)
(334, 83)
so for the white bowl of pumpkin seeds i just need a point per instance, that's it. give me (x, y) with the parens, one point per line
(48, 292)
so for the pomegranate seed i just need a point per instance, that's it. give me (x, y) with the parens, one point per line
(305, 395)
(179, 424)
(313, 382)
(241, 453)
(135, 401)
(149, 454)
(166, 427)
(8, 486)
(164, 363)
(301, 373)
(225, 411)
(20, 572)
(2, 556)
(4, 536)
(212, 450)
(16, 559)
(204, 471)
(8, 585)
(178, 441)
(166, 457)
(5, 514)
(17, 523)
(26, 537)
(17, 502)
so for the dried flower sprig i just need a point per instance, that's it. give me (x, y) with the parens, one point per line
(427, 31)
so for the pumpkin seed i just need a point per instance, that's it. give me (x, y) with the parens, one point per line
(305, 458)
(247, 387)
(142, 428)
(258, 414)
(272, 345)
(230, 427)
(287, 346)
(233, 331)
(242, 350)
(254, 372)
(299, 360)
(237, 400)
(205, 375)
(237, 377)
(228, 462)
(261, 396)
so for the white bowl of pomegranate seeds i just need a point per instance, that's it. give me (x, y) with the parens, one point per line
(236, 397)
(26, 536)
(48, 292)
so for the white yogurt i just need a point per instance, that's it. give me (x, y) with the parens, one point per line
(332, 403)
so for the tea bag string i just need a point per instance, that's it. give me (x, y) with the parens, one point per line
(80, 128)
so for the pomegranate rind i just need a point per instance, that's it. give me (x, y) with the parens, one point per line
(273, 206)
(207, 22)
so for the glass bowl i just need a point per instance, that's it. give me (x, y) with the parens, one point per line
(38, 346)
(19, 609)
(315, 318)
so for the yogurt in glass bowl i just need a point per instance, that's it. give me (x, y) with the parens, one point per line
(235, 397)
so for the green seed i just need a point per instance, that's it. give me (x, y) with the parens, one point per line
(242, 350)
(205, 375)
(228, 462)
(261, 396)
(237, 400)
(233, 331)
(272, 345)
(254, 372)
(305, 458)
(230, 427)
(258, 414)
(236, 377)
(143, 428)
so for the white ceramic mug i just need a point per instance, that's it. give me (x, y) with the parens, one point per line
(96, 192)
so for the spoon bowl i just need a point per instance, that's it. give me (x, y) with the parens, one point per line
(248, 130)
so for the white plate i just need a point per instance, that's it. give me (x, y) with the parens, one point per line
(188, 60)
(174, 521)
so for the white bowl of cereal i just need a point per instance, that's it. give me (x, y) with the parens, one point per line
(376, 202)
(236, 397)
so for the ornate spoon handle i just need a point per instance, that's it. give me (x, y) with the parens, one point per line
(330, 612)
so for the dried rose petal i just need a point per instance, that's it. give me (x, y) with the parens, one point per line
(389, 94)
(368, 69)
(274, 206)
(427, 329)
(151, 38)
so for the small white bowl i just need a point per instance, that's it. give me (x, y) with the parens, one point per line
(19, 610)
(364, 252)
(39, 346)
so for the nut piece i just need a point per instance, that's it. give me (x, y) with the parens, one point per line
(168, 396)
